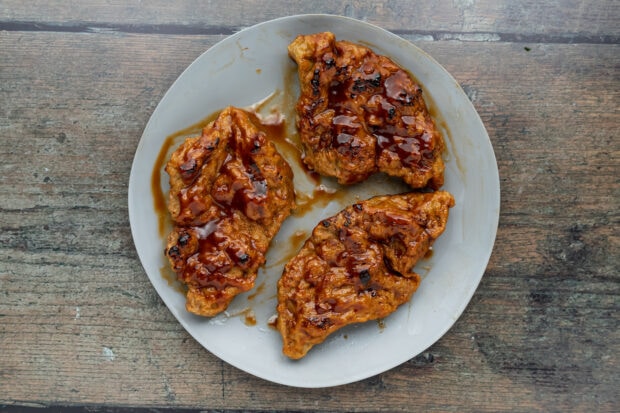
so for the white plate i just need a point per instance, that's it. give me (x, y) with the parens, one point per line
(252, 65)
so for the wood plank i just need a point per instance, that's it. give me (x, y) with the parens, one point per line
(559, 21)
(80, 322)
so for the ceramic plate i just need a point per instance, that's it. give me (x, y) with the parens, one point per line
(253, 66)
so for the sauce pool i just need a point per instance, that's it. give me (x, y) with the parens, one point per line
(249, 318)
(257, 291)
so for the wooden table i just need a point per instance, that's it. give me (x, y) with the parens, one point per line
(80, 323)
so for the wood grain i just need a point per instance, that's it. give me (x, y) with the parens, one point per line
(80, 323)
(486, 20)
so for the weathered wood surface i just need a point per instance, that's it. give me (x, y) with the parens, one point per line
(80, 323)
(560, 20)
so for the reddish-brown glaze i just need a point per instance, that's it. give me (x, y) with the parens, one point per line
(230, 190)
(360, 113)
(357, 266)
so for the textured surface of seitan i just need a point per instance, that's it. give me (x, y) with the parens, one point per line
(360, 113)
(230, 190)
(357, 266)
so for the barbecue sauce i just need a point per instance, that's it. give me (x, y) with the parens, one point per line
(372, 98)
(159, 199)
